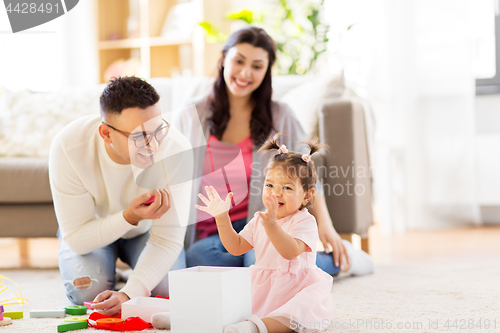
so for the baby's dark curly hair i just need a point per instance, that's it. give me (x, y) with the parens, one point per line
(127, 92)
(293, 163)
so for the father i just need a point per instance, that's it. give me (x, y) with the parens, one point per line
(101, 211)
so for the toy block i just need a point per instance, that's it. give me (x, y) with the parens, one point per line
(13, 315)
(1, 316)
(144, 307)
(5, 321)
(215, 296)
(75, 319)
(59, 313)
(1, 309)
(76, 310)
(78, 325)
(107, 321)
(88, 305)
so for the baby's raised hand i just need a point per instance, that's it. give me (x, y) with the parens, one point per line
(215, 205)
(270, 216)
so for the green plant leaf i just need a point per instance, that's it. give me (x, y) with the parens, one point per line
(212, 32)
(244, 15)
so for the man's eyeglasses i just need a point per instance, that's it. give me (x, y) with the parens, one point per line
(142, 139)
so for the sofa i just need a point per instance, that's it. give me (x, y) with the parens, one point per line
(324, 106)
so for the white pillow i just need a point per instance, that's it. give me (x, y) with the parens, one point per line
(306, 99)
(30, 120)
(284, 83)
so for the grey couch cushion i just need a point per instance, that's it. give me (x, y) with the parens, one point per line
(31, 220)
(24, 180)
(347, 182)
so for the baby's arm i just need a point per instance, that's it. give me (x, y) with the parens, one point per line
(234, 243)
(287, 246)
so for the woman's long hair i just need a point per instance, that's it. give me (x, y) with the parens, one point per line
(261, 123)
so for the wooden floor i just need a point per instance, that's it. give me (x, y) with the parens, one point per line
(474, 244)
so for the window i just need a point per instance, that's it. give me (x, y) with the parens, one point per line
(486, 30)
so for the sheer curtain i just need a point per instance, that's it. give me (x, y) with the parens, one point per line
(51, 56)
(413, 62)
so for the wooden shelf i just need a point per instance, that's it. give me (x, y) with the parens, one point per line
(164, 41)
(120, 44)
(159, 55)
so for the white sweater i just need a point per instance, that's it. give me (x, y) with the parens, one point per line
(90, 193)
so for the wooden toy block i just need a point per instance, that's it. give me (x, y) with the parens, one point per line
(59, 313)
(76, 310)
(75, 319)
(6, 321)
(78, 325)
(1, 309)
(13, 315)
(1, 316)
(107, 321)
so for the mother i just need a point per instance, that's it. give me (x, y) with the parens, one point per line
(239, 110)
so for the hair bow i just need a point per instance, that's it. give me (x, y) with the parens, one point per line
(306, 157)
(283, 149)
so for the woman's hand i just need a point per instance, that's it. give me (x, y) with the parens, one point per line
(215, 206)
(110, 302)
(332, 241)
(270, 216)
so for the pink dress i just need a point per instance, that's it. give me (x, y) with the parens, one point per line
(295, 292)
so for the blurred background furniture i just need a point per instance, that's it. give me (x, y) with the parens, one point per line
(322, 104)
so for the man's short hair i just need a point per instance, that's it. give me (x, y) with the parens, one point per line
(127, 92)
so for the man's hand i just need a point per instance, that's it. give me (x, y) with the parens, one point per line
(270, 216)
(138, 211)
(109, 302)
(215, 206)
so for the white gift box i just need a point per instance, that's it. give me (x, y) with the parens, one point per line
(144, 307)
(207, 299)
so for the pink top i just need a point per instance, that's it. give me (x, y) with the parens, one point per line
(226, 167)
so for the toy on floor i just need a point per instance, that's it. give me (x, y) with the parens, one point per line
(75, 319)
(6, 320)
(105, 321)
(161, 320)
(144, 307)
(14, 315)
(59, 313)
(14, 288)
(71, 326)
(76, 310)
(215, 296)
(130, 324)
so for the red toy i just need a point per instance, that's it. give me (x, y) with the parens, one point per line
(116, 324)
(150, 201)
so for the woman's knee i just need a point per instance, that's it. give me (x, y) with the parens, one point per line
(203, 252)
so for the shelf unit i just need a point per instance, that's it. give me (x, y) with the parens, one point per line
(160, 56)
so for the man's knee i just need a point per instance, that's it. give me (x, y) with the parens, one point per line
(85, 289)
(82, 283)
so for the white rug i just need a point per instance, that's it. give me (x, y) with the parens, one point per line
(397, 298)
